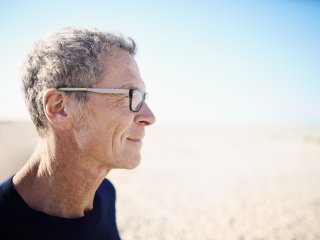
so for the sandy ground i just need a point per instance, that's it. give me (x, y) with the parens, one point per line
(209, 182)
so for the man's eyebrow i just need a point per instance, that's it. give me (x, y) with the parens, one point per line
(127, 85)
(130, 85)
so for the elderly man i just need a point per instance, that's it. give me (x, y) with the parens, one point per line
(86, 98)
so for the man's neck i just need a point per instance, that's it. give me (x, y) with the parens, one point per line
(58, 185)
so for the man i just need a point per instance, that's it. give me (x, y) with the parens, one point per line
(86, 98)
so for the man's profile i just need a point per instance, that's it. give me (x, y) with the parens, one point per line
(86, 99)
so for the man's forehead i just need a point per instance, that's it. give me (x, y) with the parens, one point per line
(122, 71)
(119, 57)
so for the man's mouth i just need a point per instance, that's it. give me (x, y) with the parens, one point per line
(135, 140)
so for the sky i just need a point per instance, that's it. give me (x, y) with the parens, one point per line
(203, 62)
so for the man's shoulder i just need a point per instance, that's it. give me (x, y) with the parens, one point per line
(6, 189)
(107, 185)
(7, 198)
(106, 194)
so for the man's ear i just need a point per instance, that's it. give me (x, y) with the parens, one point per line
(54, 104)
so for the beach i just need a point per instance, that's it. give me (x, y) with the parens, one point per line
(208, 181)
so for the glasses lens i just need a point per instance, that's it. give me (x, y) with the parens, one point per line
(137, 100)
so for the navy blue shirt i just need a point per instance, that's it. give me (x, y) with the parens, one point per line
(19, 221)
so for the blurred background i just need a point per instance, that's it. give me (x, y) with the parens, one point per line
(235, 152)
(254, 62)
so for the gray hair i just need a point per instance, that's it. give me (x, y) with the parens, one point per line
(71, 57)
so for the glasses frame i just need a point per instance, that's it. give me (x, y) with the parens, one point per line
(112, 91)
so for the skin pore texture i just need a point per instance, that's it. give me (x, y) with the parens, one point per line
(84, 142)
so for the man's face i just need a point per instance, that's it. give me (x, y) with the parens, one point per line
(110, 133)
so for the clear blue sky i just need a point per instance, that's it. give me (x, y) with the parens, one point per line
(203, 61)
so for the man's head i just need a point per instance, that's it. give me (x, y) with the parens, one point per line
(60, 82)
(72, 57)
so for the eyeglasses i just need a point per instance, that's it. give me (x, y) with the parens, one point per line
(136, 96)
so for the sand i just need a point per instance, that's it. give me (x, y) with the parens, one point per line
(208, 182)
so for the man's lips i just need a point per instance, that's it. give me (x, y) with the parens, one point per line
(135, 139)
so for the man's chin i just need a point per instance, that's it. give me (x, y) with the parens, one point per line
(134, 164)
(131, 163)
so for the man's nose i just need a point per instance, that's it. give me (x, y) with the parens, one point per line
(145, 116)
